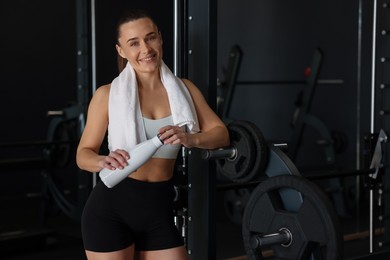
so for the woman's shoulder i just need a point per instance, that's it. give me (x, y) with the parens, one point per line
(191, 86)
(102, 93)
(194, 90)
(103, 90)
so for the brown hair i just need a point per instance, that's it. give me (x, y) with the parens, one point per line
(128, 16)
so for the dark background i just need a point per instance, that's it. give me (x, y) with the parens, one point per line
(38, 71)
(278, 39)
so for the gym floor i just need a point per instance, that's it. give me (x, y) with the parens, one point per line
(64, 242)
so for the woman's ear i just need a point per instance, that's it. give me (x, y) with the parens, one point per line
(120, 51)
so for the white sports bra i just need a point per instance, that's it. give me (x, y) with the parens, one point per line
(168, 151)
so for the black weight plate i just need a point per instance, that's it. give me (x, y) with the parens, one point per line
(62, 177)
(261, 149)
(314, 225)
(236, 169)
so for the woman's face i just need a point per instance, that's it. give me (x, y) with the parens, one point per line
(141, 44)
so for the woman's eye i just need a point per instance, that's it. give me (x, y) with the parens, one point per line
(134, 44)
(152, 38)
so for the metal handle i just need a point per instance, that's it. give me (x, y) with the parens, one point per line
(284, 237)
(222, 153)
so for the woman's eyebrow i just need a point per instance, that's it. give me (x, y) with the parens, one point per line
(132, 39)
(135, 38)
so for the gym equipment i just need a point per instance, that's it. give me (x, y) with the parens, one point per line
(245, 160)
(273, 160)
(62, 186)
(268, 161)
(239, 158)
(199, 61)
(261, 147)
(18, 233)
(69, 194)
(331, 141)
(138, 156)
(284, 211)
(376, 165)
(328, 141)
(299, 229)
(228, 85)
(247, 156)
(50, 161)
(302, 116)
(234, 63)
(379, 111)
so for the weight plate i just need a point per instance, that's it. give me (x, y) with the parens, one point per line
(61, 177)
(314, 225)
(261, 149)
(237, 168)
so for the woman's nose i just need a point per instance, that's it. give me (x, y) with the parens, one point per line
(145, 47)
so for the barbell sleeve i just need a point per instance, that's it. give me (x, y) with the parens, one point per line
(221, 153)
(283, 237)
(231, 152)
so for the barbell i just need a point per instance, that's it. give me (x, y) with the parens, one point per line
(247, 155)
(307, 229)
(284, 213)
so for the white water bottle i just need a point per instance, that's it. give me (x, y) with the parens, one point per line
(138, 156)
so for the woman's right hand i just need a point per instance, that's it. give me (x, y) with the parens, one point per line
(116, 160)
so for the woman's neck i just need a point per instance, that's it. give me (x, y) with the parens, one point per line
(148, 80)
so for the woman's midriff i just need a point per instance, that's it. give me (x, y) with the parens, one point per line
(155, 170)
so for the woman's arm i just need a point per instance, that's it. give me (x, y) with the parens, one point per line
(88, 157)
(213, 132)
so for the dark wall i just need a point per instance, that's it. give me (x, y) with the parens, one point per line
(37, 65)
(278, 39)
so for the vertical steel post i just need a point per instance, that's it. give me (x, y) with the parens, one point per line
(202, 70)
(358, 111)
(372, 123)
(84, 181)
(180, 34)
(176, 32)
(93, 61)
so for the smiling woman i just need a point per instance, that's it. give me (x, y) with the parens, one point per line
(146, 99)
(140, 43)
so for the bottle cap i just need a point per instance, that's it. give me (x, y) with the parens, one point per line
(158, 135)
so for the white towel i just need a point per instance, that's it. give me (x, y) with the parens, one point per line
(126, 128)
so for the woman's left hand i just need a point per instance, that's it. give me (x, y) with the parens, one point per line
(175, 135)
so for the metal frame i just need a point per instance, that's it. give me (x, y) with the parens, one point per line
(379, 118)
(180, 34)
(84, 93)
(201, 59)
(380, 106)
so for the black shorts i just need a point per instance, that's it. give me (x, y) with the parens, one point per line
(131, 212)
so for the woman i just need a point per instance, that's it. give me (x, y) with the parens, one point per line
(135, 217)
